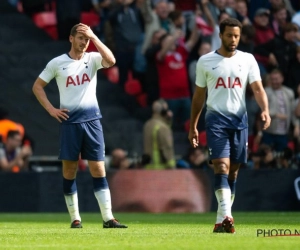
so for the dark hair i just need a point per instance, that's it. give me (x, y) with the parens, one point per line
(163, 37)
(290, 27)
(248, 31)
(12, 133)
(276, 71)
(175, 14)
(73, 31)
(232, 22)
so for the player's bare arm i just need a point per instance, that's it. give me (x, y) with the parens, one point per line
(197, 106)
(262, 100)
(108, 59)
(39, 92)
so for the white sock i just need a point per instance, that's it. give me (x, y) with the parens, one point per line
(224, 204)
(72, 205)
(104, 201)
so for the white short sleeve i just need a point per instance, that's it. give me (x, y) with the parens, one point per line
(49, 72)
(97, 59)
(200, 74)
(254, 72)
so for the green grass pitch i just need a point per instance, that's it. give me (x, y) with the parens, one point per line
(147, 231)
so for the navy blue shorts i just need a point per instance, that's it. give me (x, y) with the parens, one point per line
(227, 143)
(85, 138)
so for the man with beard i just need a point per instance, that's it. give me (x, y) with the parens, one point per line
(81, 132)
(224, 75)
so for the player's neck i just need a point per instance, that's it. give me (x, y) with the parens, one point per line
(225, 53)
(76, 56)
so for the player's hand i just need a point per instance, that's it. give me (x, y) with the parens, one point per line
(265, 117)
(59, 114)
(194, 138)
(85, 30)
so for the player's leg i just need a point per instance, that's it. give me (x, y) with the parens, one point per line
(70, 192)
(232, 177)
(238, 155)
(70, 144)
(219, 153)
(93, 139)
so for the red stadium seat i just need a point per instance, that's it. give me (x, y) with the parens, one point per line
(142, 99)
(91, 18)
(47, 21)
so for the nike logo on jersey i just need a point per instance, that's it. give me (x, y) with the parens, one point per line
(64, 68)
(215, 68)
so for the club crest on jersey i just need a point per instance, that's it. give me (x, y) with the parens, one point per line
(77, 81)
(230, 83)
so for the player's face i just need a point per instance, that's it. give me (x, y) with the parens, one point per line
(276, 80)
(230, 38)
(80, 42)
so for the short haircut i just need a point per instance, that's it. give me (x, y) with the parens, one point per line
(12, 133)
(174, 15)
(276, 71)
(291, 27)
(73, 31)
(231, 22)
(248, 31)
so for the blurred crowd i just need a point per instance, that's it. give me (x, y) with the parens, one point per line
(158, 43)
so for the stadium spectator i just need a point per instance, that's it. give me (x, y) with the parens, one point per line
(242, 12)
(13, 156)
(246, 43)
(196, 158)
(264, 158)
(67, 16)
(102, 7)
(217, 7)
(263, 34)
(127, 24)
(204, 48)
(173, 74)
(187, 8)
(215, 38)
(158, 19)
(281, 50)
(282, 107)
(6, 125)
(263, 31)
(158, 138)
(119, 160)
(279, 19)
(293, 75)
(151, 75)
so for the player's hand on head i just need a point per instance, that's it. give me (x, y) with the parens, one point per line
(85, 29)
(59, 114)
(194, 138)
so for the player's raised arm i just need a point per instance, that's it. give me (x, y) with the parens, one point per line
(108, 58)
(39, 92)
(262, 100)
(197, 106)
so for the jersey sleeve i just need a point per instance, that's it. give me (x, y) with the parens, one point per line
(97, 60)
(200, 74)
(254, 72)
(49, 72)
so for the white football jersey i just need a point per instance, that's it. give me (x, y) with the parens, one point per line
(77, 81)
(226, 80)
